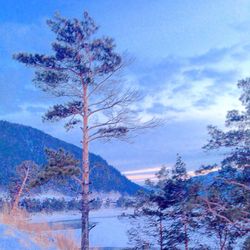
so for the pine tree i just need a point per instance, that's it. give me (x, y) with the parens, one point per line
(166, 214)
(60, 165)
(228, 197)
(148, 223)
(179, 196)
(26, 173)
(236, 140)
(81, 73)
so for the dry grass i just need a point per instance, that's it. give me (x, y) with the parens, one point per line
(64, 243)
(39, 233)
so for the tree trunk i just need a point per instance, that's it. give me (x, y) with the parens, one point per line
(223, 241)
(20, 191)
(161, 234)
(85, 174)
(186, 236)
(185, 232)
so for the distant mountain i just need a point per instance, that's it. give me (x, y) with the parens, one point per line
(19, 143)
(205, 179)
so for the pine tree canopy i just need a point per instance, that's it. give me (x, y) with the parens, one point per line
(79, 58)
(237, 137)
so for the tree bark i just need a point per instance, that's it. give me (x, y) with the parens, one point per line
(20, 191)
(161, 234)
(186, 236)
(185, 232)
(85, 174)
(222, 241)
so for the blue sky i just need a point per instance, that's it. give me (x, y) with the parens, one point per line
(188, 58)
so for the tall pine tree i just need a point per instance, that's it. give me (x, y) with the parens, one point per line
(229, 195)
(80, 72)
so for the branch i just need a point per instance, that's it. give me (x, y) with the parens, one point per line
(223, 217)
(235, 183)
(77, 179)
(98, 85)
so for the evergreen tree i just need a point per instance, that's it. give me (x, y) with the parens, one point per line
(225, 208)
(22, 183)
(167, 213)
(179, 196)
(226, 233)
(148, 225)
(80, 72)
(228, 198)
(59, 166)
(236, 140)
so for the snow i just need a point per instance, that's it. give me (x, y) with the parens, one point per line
(3, 194)
(50, 194)
(110, 231)
(14, 240)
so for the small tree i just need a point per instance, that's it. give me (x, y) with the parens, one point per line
(21, 184)
(81, 71)
(179, 196)
(60, 165)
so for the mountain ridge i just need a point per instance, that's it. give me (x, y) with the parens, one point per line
(20, 142)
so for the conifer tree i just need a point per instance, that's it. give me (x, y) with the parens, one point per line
(228, 197)
(236, 139)
(167, 211)
(80, 72)
(59, 166)
(26, 173)
(179, 196)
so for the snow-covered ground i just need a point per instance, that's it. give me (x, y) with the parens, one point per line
(11, 239)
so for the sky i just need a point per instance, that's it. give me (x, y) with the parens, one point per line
(188, 56)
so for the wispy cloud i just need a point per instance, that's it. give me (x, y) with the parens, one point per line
(142, 171)
(203, 88)
(141, 175)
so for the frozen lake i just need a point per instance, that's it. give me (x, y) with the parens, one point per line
(109, 230)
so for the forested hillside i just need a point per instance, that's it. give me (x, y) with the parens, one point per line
(19, 143)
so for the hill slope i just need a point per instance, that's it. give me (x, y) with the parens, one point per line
(18, 143)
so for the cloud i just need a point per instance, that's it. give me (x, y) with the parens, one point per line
(142, 171)
(212, 56)
(141, 175)
(201, 88)
(141, 178)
